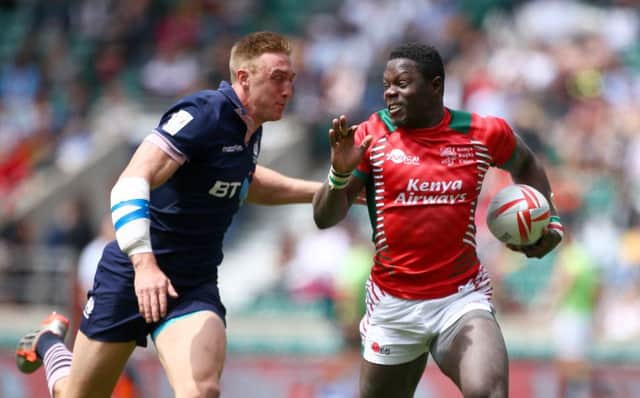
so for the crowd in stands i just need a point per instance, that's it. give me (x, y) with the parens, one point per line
(565, 74)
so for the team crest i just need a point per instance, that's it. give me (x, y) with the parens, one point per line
(88, 308)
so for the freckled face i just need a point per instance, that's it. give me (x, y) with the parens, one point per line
(270, 86)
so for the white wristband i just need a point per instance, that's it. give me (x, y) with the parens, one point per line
(130, 215)
(337, 180)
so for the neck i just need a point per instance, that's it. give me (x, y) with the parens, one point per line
(431, 117)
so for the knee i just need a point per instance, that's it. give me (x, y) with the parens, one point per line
(489, 388)
(200, 389)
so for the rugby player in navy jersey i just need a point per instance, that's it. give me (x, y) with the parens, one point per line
(171, 207)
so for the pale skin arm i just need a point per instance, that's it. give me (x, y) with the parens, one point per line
(272, 188)
(331, 206)
(525, 168)
(151, 284)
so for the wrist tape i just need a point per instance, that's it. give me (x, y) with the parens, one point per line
(554, 224)
(130, 215)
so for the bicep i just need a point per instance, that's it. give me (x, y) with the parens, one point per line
(151, 163)
(520, 157)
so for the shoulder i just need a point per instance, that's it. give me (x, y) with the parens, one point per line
(379, 123)
(203, 100)
(487, 124)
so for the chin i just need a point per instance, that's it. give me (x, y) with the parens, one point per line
(400, 122)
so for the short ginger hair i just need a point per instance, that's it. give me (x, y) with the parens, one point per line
(254, 45)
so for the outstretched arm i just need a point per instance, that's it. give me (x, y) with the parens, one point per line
(272, 188)
(333, 200)
(525, 168)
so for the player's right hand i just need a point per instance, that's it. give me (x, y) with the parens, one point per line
(345, 155)
(151, 287)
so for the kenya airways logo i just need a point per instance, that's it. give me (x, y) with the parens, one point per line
(398, 156)
(425, 192)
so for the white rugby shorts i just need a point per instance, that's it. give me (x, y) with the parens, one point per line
(396, 331)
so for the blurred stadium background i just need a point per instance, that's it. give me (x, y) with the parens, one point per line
(82, 81)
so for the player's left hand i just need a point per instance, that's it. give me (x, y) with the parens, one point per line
(345, 155)
(547, 242)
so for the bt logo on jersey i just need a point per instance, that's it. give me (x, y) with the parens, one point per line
(224, 189)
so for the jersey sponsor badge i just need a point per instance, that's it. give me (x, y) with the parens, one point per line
(398, 156)
(177, 121)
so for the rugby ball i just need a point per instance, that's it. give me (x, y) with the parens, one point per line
(518, 215)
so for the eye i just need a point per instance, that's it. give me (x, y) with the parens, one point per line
(403, 84)
(385, 85)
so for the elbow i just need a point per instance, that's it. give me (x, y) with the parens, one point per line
(321, 222)
(322, 219)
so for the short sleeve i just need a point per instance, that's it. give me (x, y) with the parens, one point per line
(186, 126)
(363, 170)
(500, 140)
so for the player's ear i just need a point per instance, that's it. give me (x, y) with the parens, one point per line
(242, 76)
(438, 84)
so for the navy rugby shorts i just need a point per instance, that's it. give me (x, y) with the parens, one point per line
(111, 313)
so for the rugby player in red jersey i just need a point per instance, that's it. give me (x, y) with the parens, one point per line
(423, 165)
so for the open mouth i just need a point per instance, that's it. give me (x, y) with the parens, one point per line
(394, 108)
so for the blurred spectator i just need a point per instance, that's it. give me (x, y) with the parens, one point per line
(171, 71)
(71, 225)
(113, 116)
(349, 284)
(573, 296)
(90, 256)
(310, 274)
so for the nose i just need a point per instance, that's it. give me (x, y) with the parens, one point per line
(287, 92)
(390, 92)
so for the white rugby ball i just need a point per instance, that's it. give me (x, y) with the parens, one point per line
(518, 215)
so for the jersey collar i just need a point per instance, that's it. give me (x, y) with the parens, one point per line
(226, 89)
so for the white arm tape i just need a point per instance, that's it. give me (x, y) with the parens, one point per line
(130, 215)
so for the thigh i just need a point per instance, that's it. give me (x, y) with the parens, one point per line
(472, 353)
(95, 367)
(192, 351)
(400, 381)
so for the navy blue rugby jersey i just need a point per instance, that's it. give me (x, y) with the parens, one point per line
(192, 210)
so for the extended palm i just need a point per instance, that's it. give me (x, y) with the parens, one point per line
(345, 155)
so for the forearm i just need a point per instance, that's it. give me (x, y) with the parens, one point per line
(330, 206)
(272, 188)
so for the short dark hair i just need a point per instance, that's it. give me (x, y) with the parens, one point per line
(427, 57)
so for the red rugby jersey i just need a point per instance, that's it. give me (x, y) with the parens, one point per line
(422, 189)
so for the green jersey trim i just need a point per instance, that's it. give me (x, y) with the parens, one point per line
(385, 116)
(460, 121)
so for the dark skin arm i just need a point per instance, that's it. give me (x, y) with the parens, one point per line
(525, 168)
(331, 206)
